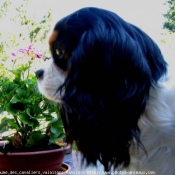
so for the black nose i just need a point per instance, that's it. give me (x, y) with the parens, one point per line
(39, 73)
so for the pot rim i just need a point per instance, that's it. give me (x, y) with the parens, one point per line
(67, 170)
(36, 152)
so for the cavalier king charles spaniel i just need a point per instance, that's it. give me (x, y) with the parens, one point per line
(108, 76)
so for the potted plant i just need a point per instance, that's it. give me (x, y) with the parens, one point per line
(29, 124)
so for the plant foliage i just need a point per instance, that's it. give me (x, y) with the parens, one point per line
(27, 120)
(170, 16)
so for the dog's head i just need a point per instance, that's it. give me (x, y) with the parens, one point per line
(101, 72)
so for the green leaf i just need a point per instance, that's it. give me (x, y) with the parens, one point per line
(12, 124)
(54, 138)
(38, 117)
(26, 119)
(33, 110)
(10, 109)
(16, 72)
(34, 138)
(20, 91)
(4, 126)
(28, 112)
(56, 126)
(56, 130)
(48, 117)
(1, 109)
(15, 100)
(9, 88)
(16, 107)
(31, 81)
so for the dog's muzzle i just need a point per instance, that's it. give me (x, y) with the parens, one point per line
(50, 78)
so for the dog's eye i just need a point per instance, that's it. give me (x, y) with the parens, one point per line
(57, 52)
(60, 53)
(59, 58)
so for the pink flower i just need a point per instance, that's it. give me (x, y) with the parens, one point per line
(30, 47)
(13, 54)
(38, 55)
(30, 51)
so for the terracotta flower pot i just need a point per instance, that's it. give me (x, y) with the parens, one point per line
(41, 161)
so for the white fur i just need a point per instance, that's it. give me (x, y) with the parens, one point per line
(53, 78)
(157, 125)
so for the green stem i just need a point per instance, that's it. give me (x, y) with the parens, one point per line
(27, 129)
(28, 70)
(16, 119)
(43, 108)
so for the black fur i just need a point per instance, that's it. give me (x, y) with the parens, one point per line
(112, 66)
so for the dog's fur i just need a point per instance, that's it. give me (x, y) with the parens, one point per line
(106, 75)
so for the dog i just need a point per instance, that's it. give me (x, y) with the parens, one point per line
(108, 76)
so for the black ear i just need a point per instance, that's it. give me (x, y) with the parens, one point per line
(111, 70)
(124, 52)
(120, 61)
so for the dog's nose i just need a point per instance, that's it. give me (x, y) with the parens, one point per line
(39, 73)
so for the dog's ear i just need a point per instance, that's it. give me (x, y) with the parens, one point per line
(127, 52)
(111, 72)
(112, 67)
